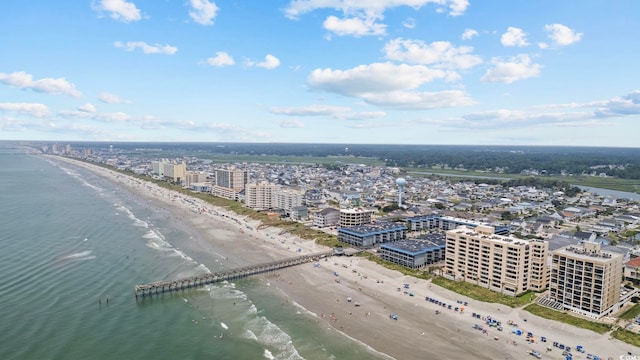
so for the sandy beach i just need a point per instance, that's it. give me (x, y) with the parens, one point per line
(359, 300)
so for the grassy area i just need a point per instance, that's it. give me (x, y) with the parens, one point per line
(626, 336)
(631, 313)
(483, 294)
(629, 185)
(567, 318)
(289, 159)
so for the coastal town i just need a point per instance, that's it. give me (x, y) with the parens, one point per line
(577, 251)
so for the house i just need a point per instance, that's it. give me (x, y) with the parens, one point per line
(326, 217)
(632, 270)
(584, 236)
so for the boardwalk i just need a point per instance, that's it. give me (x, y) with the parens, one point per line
(160, 287)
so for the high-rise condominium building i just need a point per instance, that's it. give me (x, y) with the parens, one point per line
(500, 263)
(230, 182)
(586, 279)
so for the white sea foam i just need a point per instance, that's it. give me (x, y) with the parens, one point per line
(250, 335)
(80, 256)
(253, 309)
(269, 334)
(155, 240)
(79, 177)
(205, 268)
(130, 215)
(304, 309)
(268, 355)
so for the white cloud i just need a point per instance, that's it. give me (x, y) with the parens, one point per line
(543, 45)
(354, 26)
(363, 115)
(203, 11)
(34, 109)
(146, 48)
(291, 123)
(514, 37)
(441, 53)
(516, 68)
(336, 112)
(111, 99)
(312, 110)
(361, 18)
(87, 108)
(221, 59)
(388, 85)
(419, 100)
(591, 114)
(562, 35)
(626, 105)
(296, 8)
(409, 23)
(468, 34)
(373, 78)
(502, 118)
(270, 62)
(120, 10)
(22, 80)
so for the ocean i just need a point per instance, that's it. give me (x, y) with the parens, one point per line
(74, 245)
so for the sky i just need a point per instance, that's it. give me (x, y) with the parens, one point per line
(466, 72)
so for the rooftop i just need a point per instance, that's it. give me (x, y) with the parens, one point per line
(587, 253)
(432, 241)
(373, 228)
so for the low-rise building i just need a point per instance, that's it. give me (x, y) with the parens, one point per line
(415, 253)
(632, 270)
(355, 216)
(436, 222)
(326, 217)
(372, 234)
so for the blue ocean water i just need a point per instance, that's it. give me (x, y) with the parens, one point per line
(74, 245)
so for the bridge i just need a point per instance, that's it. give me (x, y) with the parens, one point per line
(160, 287)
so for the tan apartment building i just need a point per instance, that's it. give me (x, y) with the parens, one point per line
(586, 279)
(260, 196)
(194, 177)
(169, 170)
(264, 196)
(500, 263)
(355, 216)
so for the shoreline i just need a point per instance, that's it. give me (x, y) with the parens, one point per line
(418, 332)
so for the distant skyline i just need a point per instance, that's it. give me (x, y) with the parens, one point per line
(322, 71)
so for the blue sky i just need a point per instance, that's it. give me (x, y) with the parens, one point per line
(322, 71)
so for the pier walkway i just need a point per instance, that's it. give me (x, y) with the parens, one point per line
(160, 287)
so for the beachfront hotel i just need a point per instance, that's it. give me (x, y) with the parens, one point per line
(264, 196)
(260, 196)
(500, 263)
(586, 279)
(355, 216)
(229, 183)
(372, 234)
(167, 170)
(415, 253)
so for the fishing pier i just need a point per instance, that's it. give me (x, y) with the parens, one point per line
(160, 287)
